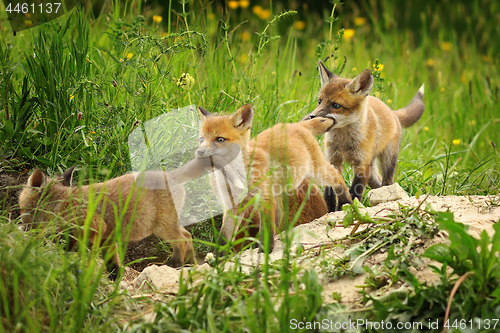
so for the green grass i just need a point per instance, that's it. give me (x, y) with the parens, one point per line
(72, 91)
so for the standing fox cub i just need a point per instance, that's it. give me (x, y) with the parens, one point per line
(143, 203)
(365, 129)
(282, 153)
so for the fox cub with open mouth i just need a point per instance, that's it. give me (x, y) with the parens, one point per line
(365, 129)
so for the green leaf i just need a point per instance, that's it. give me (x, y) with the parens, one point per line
(440, 253)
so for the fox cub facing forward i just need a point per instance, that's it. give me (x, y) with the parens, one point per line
(148, 210)
(282, 153)
(365, 129)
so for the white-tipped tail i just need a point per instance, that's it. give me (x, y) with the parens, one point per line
(421, 90)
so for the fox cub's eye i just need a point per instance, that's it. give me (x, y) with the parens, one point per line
(201, 139)
(319, 101)
(220, 139)
(336, 106)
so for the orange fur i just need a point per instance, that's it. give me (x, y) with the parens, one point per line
(279, 154)
(149, 211)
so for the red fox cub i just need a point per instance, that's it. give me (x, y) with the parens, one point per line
(365, 129)
(150, 210)
(282, 153)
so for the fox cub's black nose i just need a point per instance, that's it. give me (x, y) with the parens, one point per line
(309, 116)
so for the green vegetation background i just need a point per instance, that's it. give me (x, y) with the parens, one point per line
(72, 90)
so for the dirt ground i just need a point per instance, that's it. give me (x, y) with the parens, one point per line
(478, 212)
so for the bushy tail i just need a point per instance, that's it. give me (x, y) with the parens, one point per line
(409, 115)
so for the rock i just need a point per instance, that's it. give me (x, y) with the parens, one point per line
(203, 268)
(157, 278)
(386, 193)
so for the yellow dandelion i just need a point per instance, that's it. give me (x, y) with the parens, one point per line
(456, 142)
(92, 132)
(426, 128)
(121, 59)
(348, 34)
(71, 97)
(360, 21)
(157, 19)
(265, 14)
(354, 69)
(446, 46)
(389, 101)
(257, 10)
(129, 55)
(245, 35)
(443, 89)
(28, 23)
(233, 4)
(244, 3)
(299, 25)
(379, 68)
(430, 62)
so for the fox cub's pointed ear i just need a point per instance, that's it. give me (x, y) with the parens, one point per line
(362, 84)
(203, 113)
(37, 179)
(67, 177)
(243, 118)
(325, 75)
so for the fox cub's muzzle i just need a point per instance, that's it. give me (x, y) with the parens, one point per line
(203, 152)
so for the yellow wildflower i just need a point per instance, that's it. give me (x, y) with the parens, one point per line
(446, 46)
(233, 4)
(354, 69)
(389, 101)
(443, 89)
(430, 62)
(426, 128)
(244, 3)
(456, 142)
(243, 58)
(71, 97)
(245, 35)
(299, 25)
(186, 81)
(380, 67)
(157, 19)
(359, 21)
(129, 55)
(348, 34)
(257, 10)
(265, 14)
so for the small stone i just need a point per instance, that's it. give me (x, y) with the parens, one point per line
(386, 193)
(157, 277)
